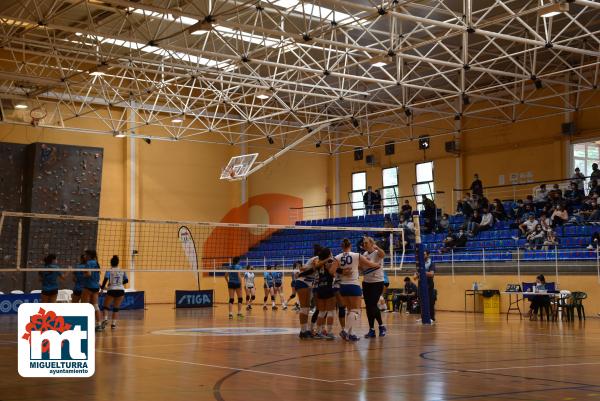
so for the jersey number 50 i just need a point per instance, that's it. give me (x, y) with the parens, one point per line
(345, 260)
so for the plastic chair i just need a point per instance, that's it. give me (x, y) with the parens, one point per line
(35, 291)
(576, 302)
(17, 292)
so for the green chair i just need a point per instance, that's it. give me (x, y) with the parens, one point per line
(576, 303)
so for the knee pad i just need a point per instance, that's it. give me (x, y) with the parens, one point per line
(247, 298)
(240, 300)
(342, 312)
(265, 299)
(231, 300)
(322, 314)
(272, 297)
(304, 311)
(253, 297)
(292, 296)
(96, 307)
(116, 310)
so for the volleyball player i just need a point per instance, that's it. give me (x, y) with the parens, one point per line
(91, 284)
(295, 271)
(234, 287)
(372, 286)
(78, 279)
(325, 295)
(278, 286)
(249, 288)
(304, 285)
(50, 279)
(268, 287)
(116, 279)
(348, 264)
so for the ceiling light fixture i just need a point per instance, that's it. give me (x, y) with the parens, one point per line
(553, 9)
(177, 120)
(97, 73)
(264, 94)
(118, 134)
(21, 106)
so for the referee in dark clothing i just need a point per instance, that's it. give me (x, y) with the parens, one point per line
(430, 271)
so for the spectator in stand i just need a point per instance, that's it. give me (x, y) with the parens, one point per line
(377, 202)
(477, 186)
(551, 241)
(573, 196)
(528, 225)
(595, 241)
(454, 241)
(466, 208)
(545, 222)
(578, 178)
(519, 210)
(407, 210)
(595, 172)
(487, 222)
(444, 223)
(498, 210)
(595, 212)
(369, 200)
(409, 230)
(536, 238)
(475, 221)
(429, 214)
(541, 196)
(559, 217)
(474, 201)
(556, 195)
(594, 187)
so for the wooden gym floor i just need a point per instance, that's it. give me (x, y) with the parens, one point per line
(162, 354)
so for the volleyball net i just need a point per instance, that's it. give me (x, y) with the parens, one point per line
(176, 246)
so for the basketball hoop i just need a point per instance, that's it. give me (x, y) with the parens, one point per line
(36, 115)
(238, 167)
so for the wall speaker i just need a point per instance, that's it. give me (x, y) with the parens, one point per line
(371, 161)
(451, 147)
(424, 142)
(568, 128)
(390, 148)
(358, 154)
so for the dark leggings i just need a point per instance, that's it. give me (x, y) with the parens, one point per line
(371, 293)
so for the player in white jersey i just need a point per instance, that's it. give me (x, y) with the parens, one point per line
(116, 279)
(249, 288)
(373, 286)
(349, 264)
(304, 286)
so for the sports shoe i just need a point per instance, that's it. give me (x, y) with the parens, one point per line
(274, 308)
(318, 336)
(113, 326)
(382, 331)
(344, 335)
(306, 335)
(104, 323)
(330, 336)
(370, 334)
(297, 307)
(248, 307)
(240, 316)
(265, 307)
(230, 316)
(99, 328)
(284, 307)
(353, 338)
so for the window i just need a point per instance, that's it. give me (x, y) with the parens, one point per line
(584, 155)
(359, 186)
(389, 192)
(425, 184)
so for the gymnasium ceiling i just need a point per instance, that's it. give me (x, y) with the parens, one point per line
(132, 64)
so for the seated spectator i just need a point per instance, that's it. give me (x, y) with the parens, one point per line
(594, 188)
(444, 223)
(528, 225)
(594, 214)
(573, 196)
(454, 241)
(551, 241)
(541, 196)
(536, 238)
(578, 178)
(475, 221)
(595, 241)
(555, 196)
(559, 217)
(467, 209)
(595, 172)
(486, 222)
(409, 231)
(483, 203)
(519, 210)
(408, 296)
(545, 222)
(498, 210)
(407, 210)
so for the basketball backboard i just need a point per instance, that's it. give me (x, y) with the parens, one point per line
(238, 167)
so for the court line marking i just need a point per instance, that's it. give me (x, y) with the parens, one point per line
(446, 372)
(216, 366)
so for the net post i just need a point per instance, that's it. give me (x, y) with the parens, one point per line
(452, 264)
(19, 242)
(392, 262)
(214, 270)
(420, 264)
(556, 263)
(403, 238)
(598, 262)
(483, 262)
(519, 265)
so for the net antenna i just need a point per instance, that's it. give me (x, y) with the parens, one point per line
(238, 167)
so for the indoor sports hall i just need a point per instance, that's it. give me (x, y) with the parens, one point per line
(244, 200)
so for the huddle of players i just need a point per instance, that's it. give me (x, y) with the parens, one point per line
(87, 286)
(334, 282)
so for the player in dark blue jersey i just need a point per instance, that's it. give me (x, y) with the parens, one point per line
(91, 284)
(50, 278)
(295, 271)
(325, 295)
(234, 287)
(78, 278)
